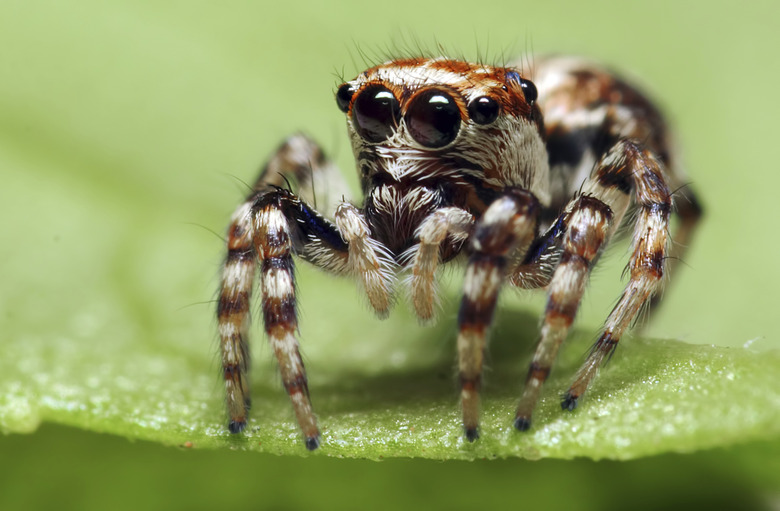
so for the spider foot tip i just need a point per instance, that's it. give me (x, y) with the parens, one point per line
(569, 401)
(472, 434)
(523, 423)
(312, 442)
(236, 426)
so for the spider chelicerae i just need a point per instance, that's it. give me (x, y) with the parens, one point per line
(457, 159)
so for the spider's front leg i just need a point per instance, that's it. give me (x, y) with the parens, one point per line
(425, 256)
(233, 315)
(368, 260)
(589, 221)
(506, 227)
(265, 230)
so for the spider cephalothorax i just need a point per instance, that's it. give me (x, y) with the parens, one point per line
(427, 135)
(454, 158)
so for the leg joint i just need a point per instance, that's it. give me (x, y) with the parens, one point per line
(606, 344)
(297, 385)
(538, 372)
(470, 383)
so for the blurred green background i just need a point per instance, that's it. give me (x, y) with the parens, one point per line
(122, 123)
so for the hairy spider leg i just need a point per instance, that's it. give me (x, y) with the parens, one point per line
(369, 261)
(590, 221)
(300, 165)
(587, 224)
(273, 243)
(233, 315)
(271, 225)
(506, 227)
(689, 211)
(642, 173)
(426, 256)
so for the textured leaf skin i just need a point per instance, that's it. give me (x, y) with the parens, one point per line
(386, 397)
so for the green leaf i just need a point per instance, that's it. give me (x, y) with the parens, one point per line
(119, 135)
(392, 394)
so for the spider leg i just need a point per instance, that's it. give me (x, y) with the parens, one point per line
(368, 259)
(426, 256)
(648, 254)
(300, 164)
(273, 244)
(233, 315)
(506, 227)
(266, 229)
(536, 269)
(590, 221)
(689, 211)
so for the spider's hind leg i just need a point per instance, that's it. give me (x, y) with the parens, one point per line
(649, 248)
(689, 211)
(589, 222)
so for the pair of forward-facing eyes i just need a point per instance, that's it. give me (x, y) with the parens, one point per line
(432, 116)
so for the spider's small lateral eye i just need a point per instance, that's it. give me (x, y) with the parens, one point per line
(483, 110)
(433, 118)
(344, 97)
(529, 90)
(376, 113)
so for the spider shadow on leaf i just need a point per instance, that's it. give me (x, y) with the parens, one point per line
(360, 389)
(428, 375)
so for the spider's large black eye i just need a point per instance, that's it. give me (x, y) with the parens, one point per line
(529, 90)
(433, 118)
(344, 97)
(375, 113)
(483, 110)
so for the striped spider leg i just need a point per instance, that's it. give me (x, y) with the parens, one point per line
(271, 225)
(592, 116)
(588, 222)
(455, 159)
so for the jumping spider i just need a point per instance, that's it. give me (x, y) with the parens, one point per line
(456, 158)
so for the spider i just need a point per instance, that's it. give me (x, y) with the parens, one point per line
(456, 159)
